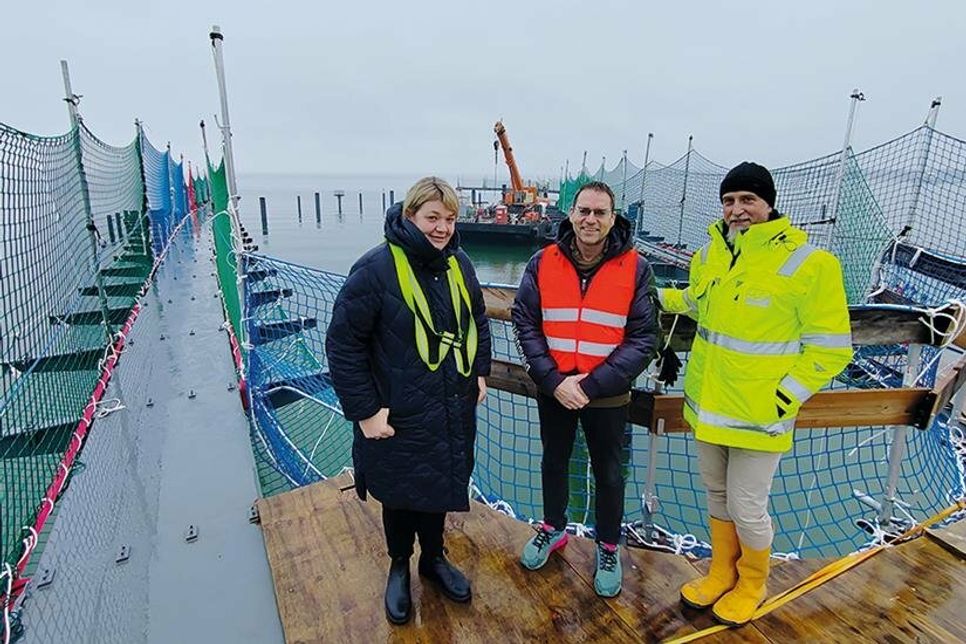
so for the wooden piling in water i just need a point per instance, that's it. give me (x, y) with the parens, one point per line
(264, 211)
(338, 195)
(360, 203)
(392, 197)
(318, 209)
(298, 200)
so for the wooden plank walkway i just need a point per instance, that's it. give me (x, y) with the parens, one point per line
(327, 553)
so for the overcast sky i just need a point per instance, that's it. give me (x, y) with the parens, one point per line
(414, 87)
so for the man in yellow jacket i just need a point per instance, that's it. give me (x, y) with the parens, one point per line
(773, 328)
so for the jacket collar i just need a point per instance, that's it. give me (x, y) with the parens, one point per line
(778, 229)
(619, 239)
(401, 231)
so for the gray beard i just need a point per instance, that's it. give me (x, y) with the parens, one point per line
(732, 234)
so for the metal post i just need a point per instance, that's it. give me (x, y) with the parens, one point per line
(684, 191)
(225, 125)
(624, 183)
(318, 207)
(229, 160)
(204, 143)
(934, 112)
(856, 96)
(170, 184)
(144, 224)
(924, 149)
(75, 124)
(897, 452)
(897, 449)
(650, 505)
(640, 204)
(496, 158)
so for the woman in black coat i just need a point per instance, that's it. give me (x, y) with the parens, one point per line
(408, 368)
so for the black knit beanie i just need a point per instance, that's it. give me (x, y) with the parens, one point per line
(751, 177)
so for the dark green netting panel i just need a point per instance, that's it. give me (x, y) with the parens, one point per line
(225, 245)
(73, 254)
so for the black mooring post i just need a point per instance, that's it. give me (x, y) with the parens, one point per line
(264, 210)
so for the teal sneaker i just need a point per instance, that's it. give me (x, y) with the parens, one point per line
(538, 549)
(607, 579)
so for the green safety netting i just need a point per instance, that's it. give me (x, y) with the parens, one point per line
(81, 222)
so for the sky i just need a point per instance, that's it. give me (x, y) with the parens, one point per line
(415, 87)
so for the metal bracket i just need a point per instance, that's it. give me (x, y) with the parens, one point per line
(123, 554)
(191, 534)
(253, 516)
(923, 411)
(46, 577)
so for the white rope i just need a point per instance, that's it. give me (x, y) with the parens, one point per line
(29, 543)
(102, 410)
(957, 324)
(318, 442)
(8, 572)
(678, 544)
(499, 505)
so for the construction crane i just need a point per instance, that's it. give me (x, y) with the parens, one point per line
(519, 194)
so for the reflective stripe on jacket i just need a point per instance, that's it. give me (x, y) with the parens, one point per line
(773, 328)
(583, 329)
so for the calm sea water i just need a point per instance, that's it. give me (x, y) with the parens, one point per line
(333, 242)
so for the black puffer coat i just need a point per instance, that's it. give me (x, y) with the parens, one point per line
(374, 363)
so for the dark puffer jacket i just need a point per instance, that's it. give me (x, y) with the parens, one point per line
(616, 374)
(374, 363)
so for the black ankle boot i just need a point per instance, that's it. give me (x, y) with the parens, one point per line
(399, 602)
(447, 578)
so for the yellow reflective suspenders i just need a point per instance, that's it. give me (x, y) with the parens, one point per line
(431, 344)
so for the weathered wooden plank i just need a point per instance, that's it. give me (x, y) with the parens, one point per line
(648, 602)
(910, 593)
(844, 408)
(952, 538)
(871, 325)
(329, 564)
(950, 381)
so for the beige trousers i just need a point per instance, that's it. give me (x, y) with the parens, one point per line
(738, 482)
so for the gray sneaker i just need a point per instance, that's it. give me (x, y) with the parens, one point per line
(538, 548)
(607, 579)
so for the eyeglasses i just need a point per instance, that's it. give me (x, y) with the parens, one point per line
(599, 213)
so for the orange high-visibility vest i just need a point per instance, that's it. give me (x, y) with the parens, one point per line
(582, 331)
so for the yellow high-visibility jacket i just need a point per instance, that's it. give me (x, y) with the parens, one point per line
(773, 328)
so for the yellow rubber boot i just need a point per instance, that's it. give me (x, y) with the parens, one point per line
(723, 573)
(738, 606)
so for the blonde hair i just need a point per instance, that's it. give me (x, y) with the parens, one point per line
(430, 189)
